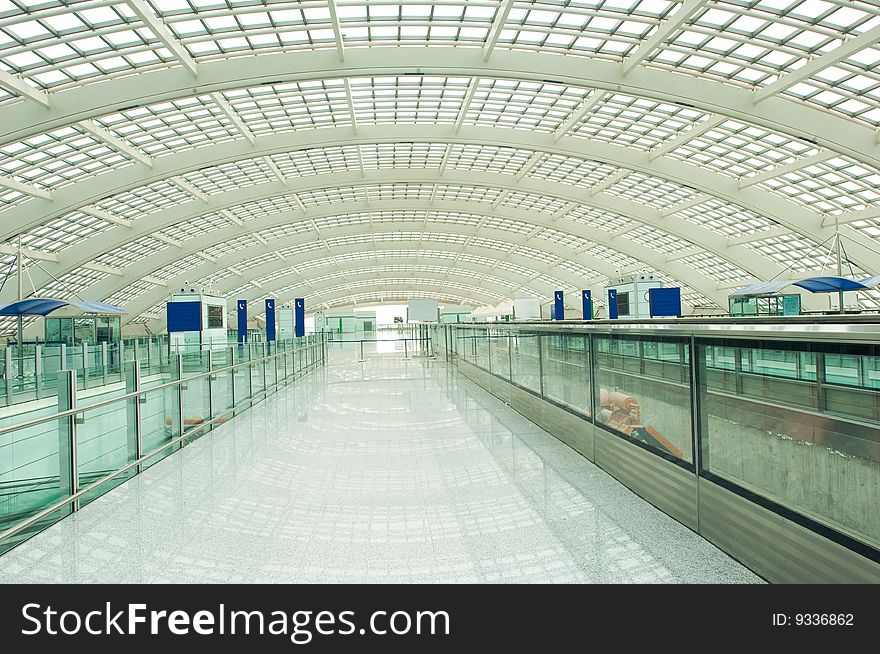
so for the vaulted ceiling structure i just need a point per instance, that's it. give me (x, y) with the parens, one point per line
(356, 152)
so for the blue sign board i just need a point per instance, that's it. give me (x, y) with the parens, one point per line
(587, 299)
(184, 316)
(242, 320)
(270, 319)
(612, 303)
(558, 307)
(299, 316)
(664, 302)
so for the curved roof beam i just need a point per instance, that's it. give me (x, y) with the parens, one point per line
(463, 272)
(555, 254)
(334, 296)
(264, 276)
(777, 113)
(773, 207)
(552, 253)
(794, 217)
(107, 241)
(343, 298)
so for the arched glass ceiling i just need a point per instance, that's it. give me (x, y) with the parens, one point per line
(711, 142)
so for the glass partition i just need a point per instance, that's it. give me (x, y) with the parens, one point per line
(30, 465)
(257, 368)
(103, 445)
(196, 392)
(643, 392)
(242, 375)
(798, 424)
(525, 360)
(566, 370)
(160, 421)
(221, 386)
(499, 353)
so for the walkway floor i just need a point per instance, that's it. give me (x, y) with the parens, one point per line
(387, 471)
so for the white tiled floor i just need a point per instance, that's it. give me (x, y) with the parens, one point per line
(387, 471)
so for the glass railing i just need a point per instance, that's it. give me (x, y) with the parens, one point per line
(54, 460)
(792, 421)
(29, 372)
(410, 340)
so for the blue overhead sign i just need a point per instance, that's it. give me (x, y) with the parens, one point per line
(558, 306)
(612, 303)
(587, 300)
(270, 319)
(299, 316)
(242, 320)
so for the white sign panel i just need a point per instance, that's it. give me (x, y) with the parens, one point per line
(423, 310)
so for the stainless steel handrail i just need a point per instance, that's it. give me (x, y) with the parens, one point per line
(377, 340)
(852, 332)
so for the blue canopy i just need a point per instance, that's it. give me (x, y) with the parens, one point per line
(44, 306)
(827, 284)
(830, 284)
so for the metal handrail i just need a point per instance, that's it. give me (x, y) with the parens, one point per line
(847, 332)
(378, 340)
(73, 497)
(133, 394)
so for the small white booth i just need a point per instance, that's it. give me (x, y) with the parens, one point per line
(196, 319)
(286, 322)
(632, 295)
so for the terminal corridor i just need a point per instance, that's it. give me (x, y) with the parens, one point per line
(386, 470)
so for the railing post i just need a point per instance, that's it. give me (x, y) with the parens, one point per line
(8, 375)
(281, 348)
(211, 379)
(405, 350)
(85, 363)
(68, 469)
(38, 371)
(264, 362)
(250, 371)
(821, 404)
(541, 365)
(104, 360)
(232, 373)
(136, 350)
(697, 375)
(178, 408)
(361, 360)
(132, 371)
